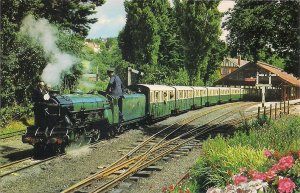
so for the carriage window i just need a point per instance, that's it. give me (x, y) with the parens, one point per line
(171, 94)
(190, 94)
(151, 97)
(165, 96)
(156, 96)
(181, 94)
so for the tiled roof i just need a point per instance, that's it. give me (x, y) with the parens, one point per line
(280, 73)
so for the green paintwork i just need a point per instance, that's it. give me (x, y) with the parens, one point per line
(224, 98)
(161, 109)
(133, 106)
(184, 104)
(87, 101)
(213, 99)
(235, 97)
(200, 101)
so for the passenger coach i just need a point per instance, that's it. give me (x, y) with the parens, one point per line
(160, 99)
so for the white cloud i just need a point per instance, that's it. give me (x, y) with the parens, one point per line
(112, 18)
(223, 7)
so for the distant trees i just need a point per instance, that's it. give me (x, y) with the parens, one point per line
(271, 27)
(167, 42)
(23, 60)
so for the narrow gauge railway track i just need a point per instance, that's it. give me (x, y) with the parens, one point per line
(19, 165)
(12, 134)
(22, 164)
(140, 157)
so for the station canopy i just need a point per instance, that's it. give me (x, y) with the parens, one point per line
(246, 76)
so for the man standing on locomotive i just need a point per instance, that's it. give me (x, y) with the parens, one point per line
(115, 88)
(40, 94)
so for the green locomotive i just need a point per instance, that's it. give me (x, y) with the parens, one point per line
(63, 119)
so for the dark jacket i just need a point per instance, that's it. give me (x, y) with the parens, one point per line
(38, 95)
(115, 86)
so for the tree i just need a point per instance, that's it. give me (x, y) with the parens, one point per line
(266, 25)
(171, 52)
(23, 60)
(140, 39)
(200, 29)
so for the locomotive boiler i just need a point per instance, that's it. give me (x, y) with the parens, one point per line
(63, 119)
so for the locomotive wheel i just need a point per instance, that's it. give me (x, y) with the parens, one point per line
(39, 149)
(79, 139)
(94, 136)
(56, 149)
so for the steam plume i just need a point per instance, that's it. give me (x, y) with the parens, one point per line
(45, 33)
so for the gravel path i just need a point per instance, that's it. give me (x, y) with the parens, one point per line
(58, 174)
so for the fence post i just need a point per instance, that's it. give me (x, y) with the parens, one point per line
(288, 107)
(258, 113)
(270, 111)
(284, 107)
(275, 111)
(280, 106)
(265, 111)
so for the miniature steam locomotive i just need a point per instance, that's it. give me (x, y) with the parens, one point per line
(64, 119)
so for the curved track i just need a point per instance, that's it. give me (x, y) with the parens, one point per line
(153, 149)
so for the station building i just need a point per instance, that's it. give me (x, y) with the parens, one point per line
(283, 86)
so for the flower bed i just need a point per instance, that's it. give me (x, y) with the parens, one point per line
(241, 163)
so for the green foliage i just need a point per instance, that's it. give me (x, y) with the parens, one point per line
(222, 160)
(223, 157)
(260, 25)
(271, 58)
(23, 60)
(282, 135)
(141, 38)
(14, 112)
(160, 40)
(200, 29)
(20, 70)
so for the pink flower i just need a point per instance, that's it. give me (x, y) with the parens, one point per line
(268, 153)
(286, 162)
(243, 169)
(239, 179)
(164, 189)
(187, 190)
(172, 187)
(286, 185)
(258, 175)
(270, 175)
(298, 153)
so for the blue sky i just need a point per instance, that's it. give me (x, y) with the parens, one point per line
(112, 18)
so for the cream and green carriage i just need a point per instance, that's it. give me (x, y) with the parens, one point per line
(184, 98)
(200, 96)
(160, 99)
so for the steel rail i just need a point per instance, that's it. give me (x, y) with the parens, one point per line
(141, 164)
(15, 162)
(28, 166)
(119, 165)
(137, 165)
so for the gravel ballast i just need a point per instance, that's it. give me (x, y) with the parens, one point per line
(60, 173)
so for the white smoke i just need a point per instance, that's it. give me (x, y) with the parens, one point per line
(45, 33)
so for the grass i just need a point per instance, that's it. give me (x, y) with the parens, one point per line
(223, 157)
(16, 125)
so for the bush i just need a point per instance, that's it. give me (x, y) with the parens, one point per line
(224, 157)
(220, 161)
(14, 113)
